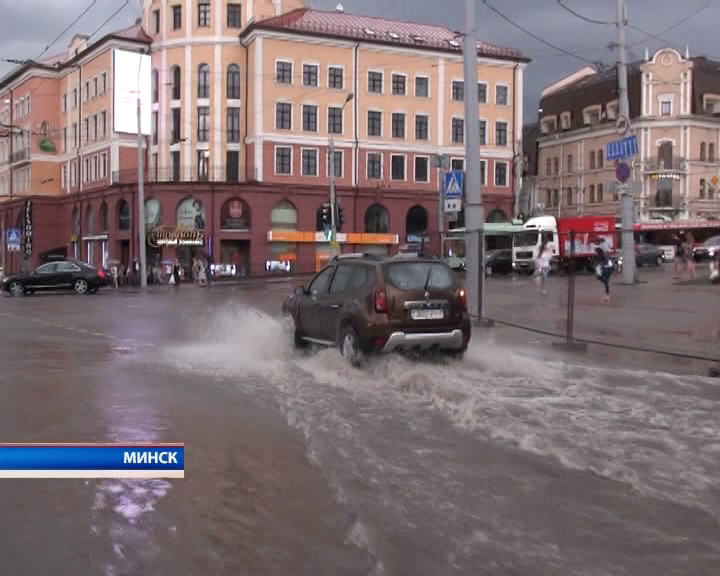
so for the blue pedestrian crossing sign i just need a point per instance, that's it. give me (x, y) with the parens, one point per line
(454, 184)
(13, 239)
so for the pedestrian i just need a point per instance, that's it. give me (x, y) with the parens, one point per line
(542, 266)
(176, 273)
(604, 268)
(689, 250)
(114, 272)
(679, 260)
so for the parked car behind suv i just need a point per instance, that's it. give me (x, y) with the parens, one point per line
(367, 304)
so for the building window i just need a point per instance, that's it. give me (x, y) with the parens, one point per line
(399, 85)
(283, 72)
(175, 126)
(233, 125)
(232, 166)
(103, 123)
(63, 105)
(176, 77)
(458, 90)
(422, 169)
(156, 21)
(177, 17)
(483, 172)
(374, 123)
(501, 95)
(483, 132)
(203, 123)
(309, 162)
(556, 166)
(501, 133)
(375, 82)
(482, 93)
(600, 158)
(600, 193)
(95, 168)
(203, 168)
(591, 189)
(103, 165)
(310, 75)
(711, 152)
(154, 127)
(665, 108)
(374, 166)
(338, 167)
(75, 98)
(569, 163)
(203, 14)
(501, 173)
(569, 196)
(154, 85)
(335, 77)
(458, 131)
(283, 160)
(103, 82)
(421, 126)
(592, 159)
(703, 152)
(234, 15)
(95, 87)
(86, 130)
(65, 140)
(175, 165)
(703, 187)
(283, 116)
(233, 82)
(397, 166)
(398, 125)
(422, 87)
(203, 81)
(335, 120)
(86, 170)
(309, 118)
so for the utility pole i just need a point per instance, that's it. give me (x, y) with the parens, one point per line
(141, 186)
(626, 192)
(474, 213)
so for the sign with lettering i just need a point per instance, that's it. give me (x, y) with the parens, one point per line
(159, 237)
(27, 229)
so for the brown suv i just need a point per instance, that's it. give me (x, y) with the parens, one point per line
(371, 304)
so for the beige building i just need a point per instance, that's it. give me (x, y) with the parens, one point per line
(60, 113)
(254, 92)
(675, 115)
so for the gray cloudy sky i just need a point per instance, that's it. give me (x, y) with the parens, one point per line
(28, 26)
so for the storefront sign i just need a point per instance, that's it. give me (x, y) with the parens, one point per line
(159, 237)
(27, 229)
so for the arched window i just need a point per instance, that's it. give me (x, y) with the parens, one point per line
(176, 78)
(416, 221)
(103, 217)
(153, 213)
(203, 81)
(235, 215)
(191, 214)
(233, 82)
(123, 215)
(497, 216)
(284, 216)
(90, 219)
(76, 221)
(377, 220)
(155, 97)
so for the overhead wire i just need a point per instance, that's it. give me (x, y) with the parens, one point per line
(585, 18)
(68, 28)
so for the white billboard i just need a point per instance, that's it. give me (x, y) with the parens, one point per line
(131, 76)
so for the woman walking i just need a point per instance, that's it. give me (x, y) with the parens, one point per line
(542, 266)
(603, 270)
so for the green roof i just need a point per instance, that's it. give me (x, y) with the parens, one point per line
(492, 229)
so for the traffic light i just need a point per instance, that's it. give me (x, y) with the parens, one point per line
(340, 218)
(326, 213)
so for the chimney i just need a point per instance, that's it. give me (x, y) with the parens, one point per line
(687, 52)
(647, 55)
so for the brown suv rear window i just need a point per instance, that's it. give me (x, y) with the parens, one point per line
(418, 275)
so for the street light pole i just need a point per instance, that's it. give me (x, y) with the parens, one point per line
(474, 233)
(331, 177)
(141, 186)
(625, 191)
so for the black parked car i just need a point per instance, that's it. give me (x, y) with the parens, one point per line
(498, 262)
(708, 249)
(55, 276)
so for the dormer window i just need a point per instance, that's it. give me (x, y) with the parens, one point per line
(612, 110)
(711, 103)
(548, 125)
(565, 121)
(591, 115)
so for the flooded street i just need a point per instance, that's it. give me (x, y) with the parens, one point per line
(504, 463)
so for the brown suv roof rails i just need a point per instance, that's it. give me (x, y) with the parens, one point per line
(355, 256)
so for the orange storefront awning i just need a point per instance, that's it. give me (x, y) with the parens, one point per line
(342, 238)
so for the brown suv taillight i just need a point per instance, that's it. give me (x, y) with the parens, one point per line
(380, 301)
(462, 295)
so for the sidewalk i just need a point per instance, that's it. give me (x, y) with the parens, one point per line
(657, 314)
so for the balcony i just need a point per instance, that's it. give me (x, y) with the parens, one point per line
(20, 156)
(129, 176)
(658, 165)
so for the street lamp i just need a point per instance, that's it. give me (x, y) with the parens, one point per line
(331, 174)
(141, 182)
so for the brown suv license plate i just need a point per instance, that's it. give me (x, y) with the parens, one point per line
(427, 314)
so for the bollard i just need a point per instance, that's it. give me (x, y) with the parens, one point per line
(570, 344)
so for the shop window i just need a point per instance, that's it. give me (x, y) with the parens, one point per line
(123, 215)
(235, 215)
(153, 213)
(377, 220)
(103, 217)
(416, 221)
(191, 214)
(90, 216)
